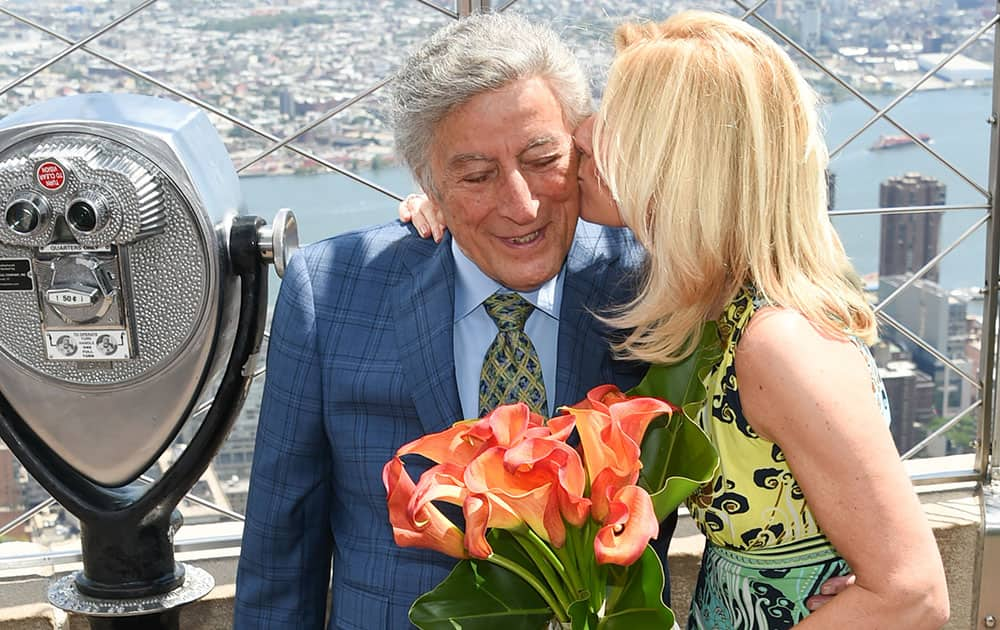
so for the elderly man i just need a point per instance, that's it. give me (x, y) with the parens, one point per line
(380, 336)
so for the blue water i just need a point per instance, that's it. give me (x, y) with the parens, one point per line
(957, 122)
(329, 203)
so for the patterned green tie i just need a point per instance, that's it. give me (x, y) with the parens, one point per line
(511, 369)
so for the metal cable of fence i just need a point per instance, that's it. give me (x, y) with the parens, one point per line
(316, 123)
(142, 75)
(880, 113)
(753, 10)
(451, 14)
(74, 46)
(906, 210)
(859, 95)
(206, 106)
(919, 273)
(915, 338)
(936, 478)
(202, 502)
(919, 446)
(26, 516)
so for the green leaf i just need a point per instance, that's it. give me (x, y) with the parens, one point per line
(677, 456)
(637, 586)
(478, 595)
(635, 596)
(581, 616)
(689, 462)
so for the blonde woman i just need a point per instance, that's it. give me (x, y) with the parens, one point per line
(707, 146)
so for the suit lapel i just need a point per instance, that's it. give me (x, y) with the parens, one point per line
(583, 351)
(424, 309)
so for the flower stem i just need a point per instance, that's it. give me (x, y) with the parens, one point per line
(548, 552)
(527, 576)
(541, 554)
(597, 575)
(569, 555)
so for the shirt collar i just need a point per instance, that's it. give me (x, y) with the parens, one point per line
(472, 286)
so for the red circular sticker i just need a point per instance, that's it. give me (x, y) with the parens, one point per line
(50, 175)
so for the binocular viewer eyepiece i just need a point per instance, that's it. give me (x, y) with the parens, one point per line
(132, 291)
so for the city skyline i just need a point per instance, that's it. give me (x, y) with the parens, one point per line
(281, 66)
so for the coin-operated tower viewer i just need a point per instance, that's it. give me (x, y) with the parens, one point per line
(133, 290)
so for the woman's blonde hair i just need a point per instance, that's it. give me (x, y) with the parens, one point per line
(709, 142)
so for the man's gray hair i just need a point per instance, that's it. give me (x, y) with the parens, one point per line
(477, 54)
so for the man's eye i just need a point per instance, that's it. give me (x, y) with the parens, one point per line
(476, 178)
(546, 161)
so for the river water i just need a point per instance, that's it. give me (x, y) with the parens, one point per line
(329, 203)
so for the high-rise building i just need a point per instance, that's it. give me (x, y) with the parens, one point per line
(810, 23)
(933, 42)
(909, 241)
(836, 8)
(911, 402)
(286, 103)
(924, 308)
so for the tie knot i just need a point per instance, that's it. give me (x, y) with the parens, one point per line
(508, 310)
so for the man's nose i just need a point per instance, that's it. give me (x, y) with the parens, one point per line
(518, 202)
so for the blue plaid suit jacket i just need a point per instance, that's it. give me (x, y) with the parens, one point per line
(360, 362)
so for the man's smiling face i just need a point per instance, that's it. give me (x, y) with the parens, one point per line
(504, 169)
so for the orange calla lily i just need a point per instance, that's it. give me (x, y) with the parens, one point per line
(611, 428)
(439, 483)
(603, 396)
(427, 528)
(611, 456)
(528, 493)
(630, 524)
(635, 414)
(561, 426)
(457, 444)
(509, 424)
(463, 441)
(481, 513)
(560, 461)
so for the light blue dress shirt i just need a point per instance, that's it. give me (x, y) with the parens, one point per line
(474, 329)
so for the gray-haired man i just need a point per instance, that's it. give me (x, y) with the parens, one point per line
(379, 336)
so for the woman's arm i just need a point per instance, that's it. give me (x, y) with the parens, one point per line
(812, 395)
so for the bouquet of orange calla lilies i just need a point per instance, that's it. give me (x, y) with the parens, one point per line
(554, 533)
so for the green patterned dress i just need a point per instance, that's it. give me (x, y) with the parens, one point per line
(765, 553)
